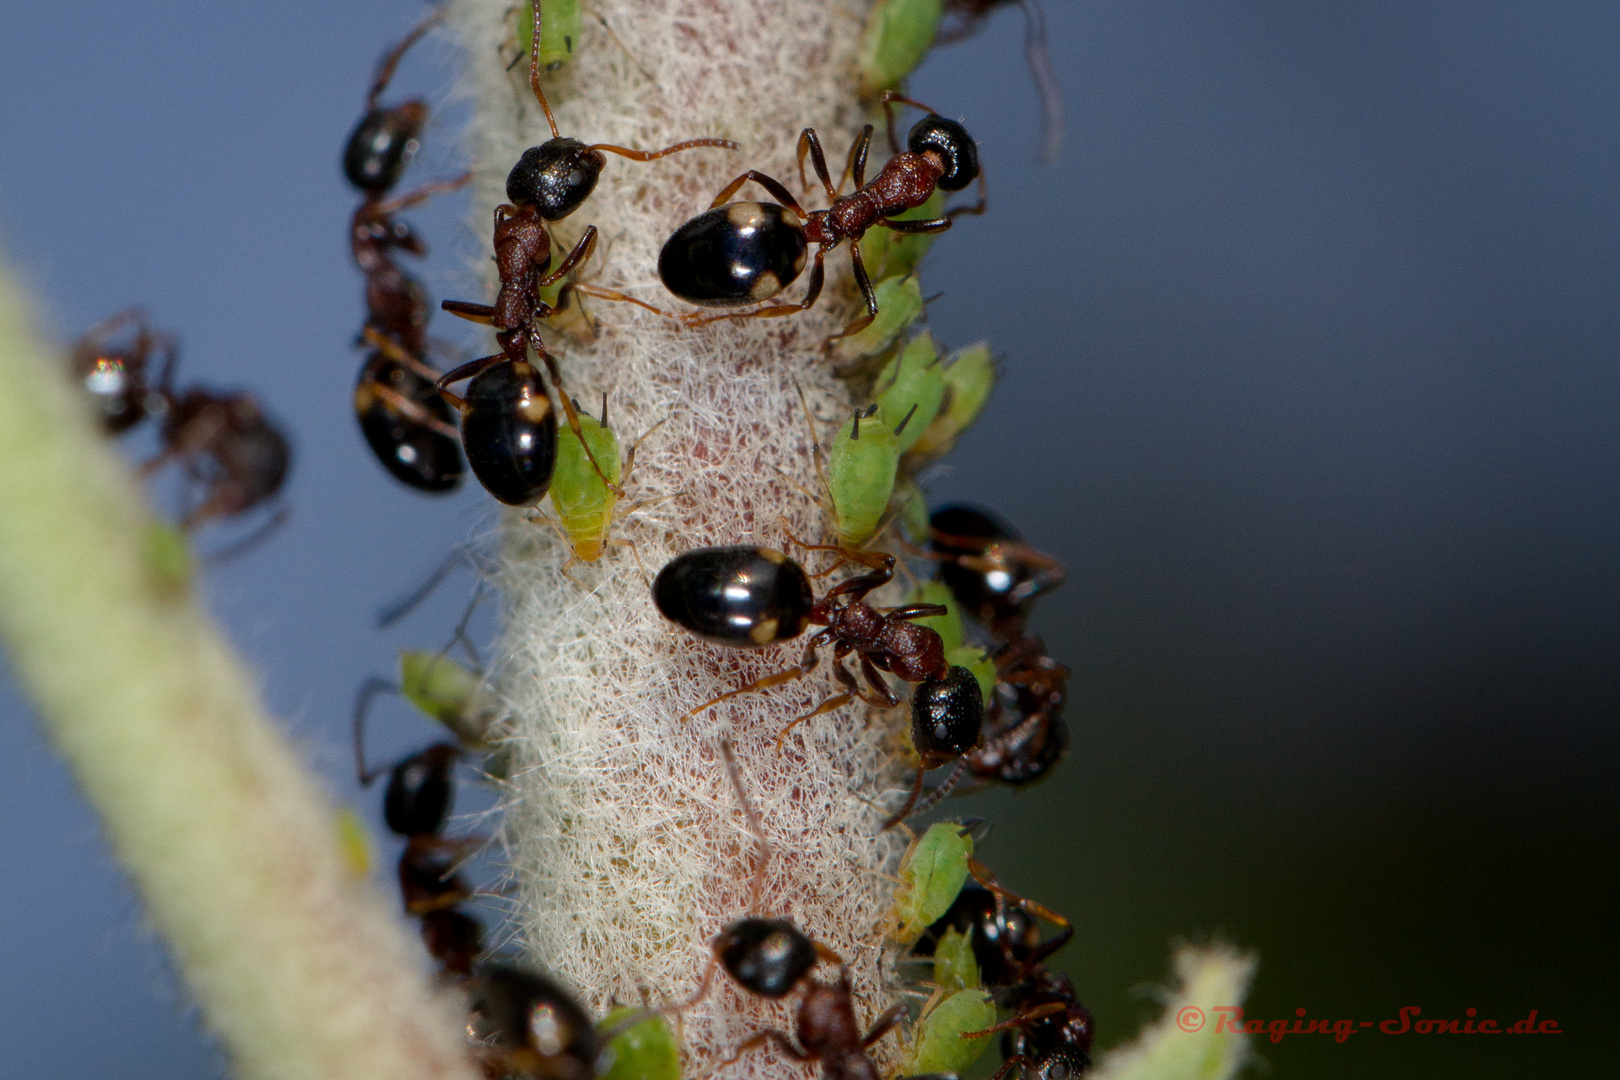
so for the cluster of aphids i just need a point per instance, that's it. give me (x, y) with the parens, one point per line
(987, 701)
(234, 458)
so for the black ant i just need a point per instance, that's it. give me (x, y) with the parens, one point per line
(115, 377)
(746, 252)
(526, 1024)
(404, 421)
(509, 430)
(1025, 734)
(963, 21)
(416, 803)
(994, 574)
(1050, 1034)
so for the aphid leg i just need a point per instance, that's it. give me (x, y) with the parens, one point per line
(884, 1024)
(540, 518)
(770, 184)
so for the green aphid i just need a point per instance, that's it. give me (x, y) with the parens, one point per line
(899, 304)
(970, 375)
(559, 31)
(911, 510)
(168, 556)
(975, 660)
(898, 35)
(912, 381)
(582, 500)
(448, 692)
(889, 254)
(861, 470)
(938, 1046)
(949, 625)
(955, 966)
(931, 875)
(646, 1051)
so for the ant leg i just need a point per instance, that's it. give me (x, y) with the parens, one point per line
(931, 225)
(462, 309)
(817, 277)
(855, 164)
(1017, 1062)
(978, 207)
(810, 144)
(983, 876)
(581, 252)
(238, 548)
(1046, 84)
(911, 800)
(422, 194)
(390, 60)
(771, 185)
(837, 701)
(1050, 575)
(362, 705)
(864, 283)
(734, 774)
(919, 611)
(391, 349)
(406, 407)
(807, 665)
(884, 1024)
(771, 1035)
(1049, 1009)
(468, 370)
(884, 698)
(609, 294)
(653, 155)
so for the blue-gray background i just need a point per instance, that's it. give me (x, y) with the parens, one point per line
(1311, 379)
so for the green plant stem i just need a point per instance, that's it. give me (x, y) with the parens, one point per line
(296, 963)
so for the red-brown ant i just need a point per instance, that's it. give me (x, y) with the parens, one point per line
(116, 377)
(227, 445)
(1025, 734)
(509, 430)
(743, 253)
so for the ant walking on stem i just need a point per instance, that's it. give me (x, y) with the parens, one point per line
(509, 430)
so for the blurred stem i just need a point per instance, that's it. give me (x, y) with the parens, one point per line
(296, 964)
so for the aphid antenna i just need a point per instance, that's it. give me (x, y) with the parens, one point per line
(815, 442)
(367, 693)
(932, 799)
(905, 419)
(930, 299)
(463, 553)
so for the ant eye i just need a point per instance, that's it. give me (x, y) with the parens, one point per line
(951, 141)
(554, 177)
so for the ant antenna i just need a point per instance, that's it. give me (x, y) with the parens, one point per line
(754, 826)
(534, 72)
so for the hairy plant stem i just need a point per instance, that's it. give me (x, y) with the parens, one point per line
(299, 969)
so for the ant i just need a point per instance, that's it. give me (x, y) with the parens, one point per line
(526, 1024)
(417, 801)
(1026, 735)
(746, 252)
(965, 18)
(227, 445)
(404, 421)
(508, 426)
(1050, 1033)
(992, 571)
(115, 378)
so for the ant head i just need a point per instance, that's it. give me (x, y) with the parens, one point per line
(381, 145)
(950, 141)
(767, 956)
(555, 177)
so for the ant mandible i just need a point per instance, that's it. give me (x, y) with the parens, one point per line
(509, 430)
(746, 252)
